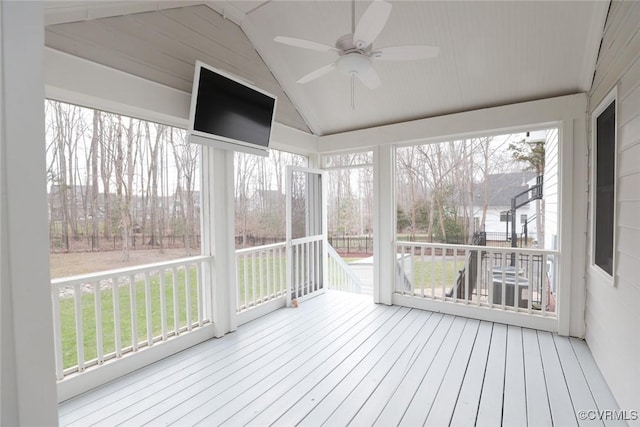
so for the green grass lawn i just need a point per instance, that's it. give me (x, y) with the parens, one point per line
(442, 272)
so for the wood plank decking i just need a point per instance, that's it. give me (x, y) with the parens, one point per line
(339, 359)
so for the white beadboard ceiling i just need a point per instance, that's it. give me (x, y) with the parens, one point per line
(491, 53)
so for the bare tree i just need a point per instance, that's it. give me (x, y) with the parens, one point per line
(186, 160)
(109, 128)
(95, 190)
(152, 181)
(245, 164)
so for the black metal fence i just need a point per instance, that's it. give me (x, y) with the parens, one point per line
(361, 245)
(138, 241)
(493, 239)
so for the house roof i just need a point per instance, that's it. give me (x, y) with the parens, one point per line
(491, 53)
(501, 187)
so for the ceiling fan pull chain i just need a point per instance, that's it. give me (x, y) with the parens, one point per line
(353, 95)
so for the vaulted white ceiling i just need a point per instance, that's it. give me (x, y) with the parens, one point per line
(491, 53)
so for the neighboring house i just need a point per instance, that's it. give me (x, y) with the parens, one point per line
(501, 188)
(77, 198)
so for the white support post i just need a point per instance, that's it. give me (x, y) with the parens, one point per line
(27, 368)
(570, 304)
(219, 239)
(383, 224)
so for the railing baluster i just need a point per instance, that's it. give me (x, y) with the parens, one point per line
(479, 273)
(443, 273)
(176, 300)
(187, 293)
(260, 277)
(198, 266)
(238, 260)
(313, 265)
(503, 288)
(545, 298)
(301, 258)
(423, 275)
(319, 269)
(77, 303)
(268, 260)
(117, 328)
(134, 312)
(283, 270)
(97, 297)
(57, 331)
(309, 258)
(246, 281)
(432, 267)
(468, 255)
(163, 304)
(275, 260)
(147, 303)
(491, 263)
(296, 271)
(253, 280)
(530, 277)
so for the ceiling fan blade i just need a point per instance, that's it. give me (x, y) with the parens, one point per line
(405, 53)
(371, 23)
(369, 78)
(306, 44)
(317, 73)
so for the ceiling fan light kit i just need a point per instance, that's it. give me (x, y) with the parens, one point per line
(353, 64)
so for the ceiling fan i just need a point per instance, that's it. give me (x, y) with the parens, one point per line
(355, 51)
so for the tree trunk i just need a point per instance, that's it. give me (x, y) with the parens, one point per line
(95, 190)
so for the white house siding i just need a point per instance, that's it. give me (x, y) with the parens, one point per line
(613, 312)
(494, 225)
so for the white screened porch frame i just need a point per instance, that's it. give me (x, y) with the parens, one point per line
(89, 84)
(565, 113)
(309, 252)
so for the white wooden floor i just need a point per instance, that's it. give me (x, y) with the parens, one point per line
(339, 359)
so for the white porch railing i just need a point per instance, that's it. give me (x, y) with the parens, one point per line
(508, 279)
(306, 268)
(105, 315)
(261, 272)
(260, 275)
(339, 274)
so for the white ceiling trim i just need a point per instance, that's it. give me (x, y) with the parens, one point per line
(228, 10)
(592, 42)
(518, 117)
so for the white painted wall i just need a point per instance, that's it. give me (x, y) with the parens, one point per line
(613, 312)
(28, 388)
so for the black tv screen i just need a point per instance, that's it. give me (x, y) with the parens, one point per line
(229, 110)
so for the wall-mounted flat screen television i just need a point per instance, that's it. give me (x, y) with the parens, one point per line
(229, 113)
